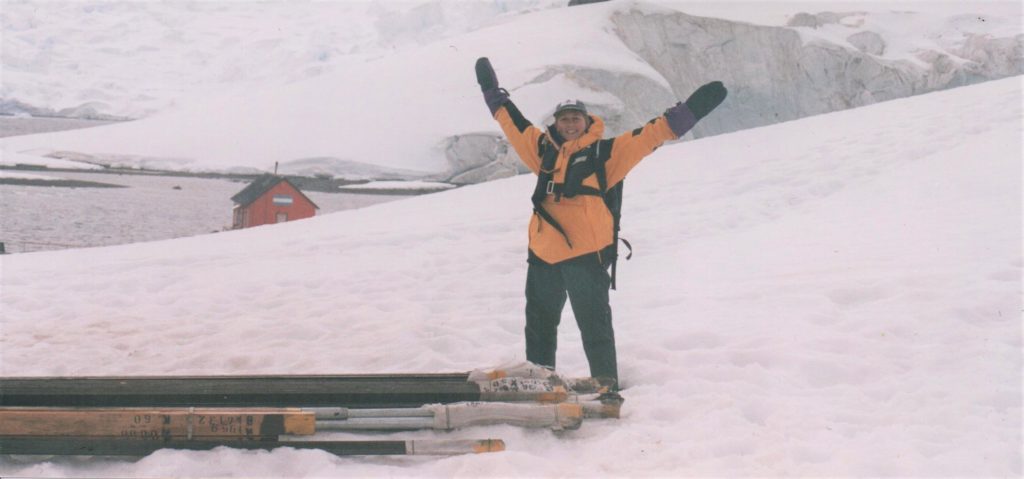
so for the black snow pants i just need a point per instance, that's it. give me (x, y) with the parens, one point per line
(585, 280)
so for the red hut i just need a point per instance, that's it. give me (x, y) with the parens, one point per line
(270, 199)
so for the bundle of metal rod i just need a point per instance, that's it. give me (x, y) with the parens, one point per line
(108, 446)
(353, 391)
(139, 415)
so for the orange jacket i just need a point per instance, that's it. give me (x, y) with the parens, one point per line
(585, 219)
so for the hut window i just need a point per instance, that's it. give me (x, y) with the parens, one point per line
(282, 199)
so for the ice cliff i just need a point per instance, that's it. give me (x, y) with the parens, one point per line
(774, 73)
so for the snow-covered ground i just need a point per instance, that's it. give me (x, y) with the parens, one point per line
(28, 125)
(13, 158)
(400, 185)
(835, 296)
(21, 175)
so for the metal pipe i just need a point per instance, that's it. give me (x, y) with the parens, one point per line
(397, 412)
(341, 413)
(364, 423)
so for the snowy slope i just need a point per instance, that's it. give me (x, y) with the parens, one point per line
(318, 98)
(393, 111)
(835, 296)
(132, 59)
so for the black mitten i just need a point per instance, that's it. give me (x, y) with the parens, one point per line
(494, 96)
(485, 74)
(683, 116)
(706, 98)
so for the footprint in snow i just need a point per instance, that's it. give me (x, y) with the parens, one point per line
(849, 297)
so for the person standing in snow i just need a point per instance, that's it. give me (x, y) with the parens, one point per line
(572, 231)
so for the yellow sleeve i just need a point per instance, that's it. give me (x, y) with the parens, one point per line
(632, 146)
(521, 134)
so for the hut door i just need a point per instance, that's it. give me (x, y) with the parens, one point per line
(282, 217)
(238, 217)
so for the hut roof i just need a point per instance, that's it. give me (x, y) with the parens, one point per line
(262, 185)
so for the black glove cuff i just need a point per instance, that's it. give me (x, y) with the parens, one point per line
(495, 97)
(680, 119)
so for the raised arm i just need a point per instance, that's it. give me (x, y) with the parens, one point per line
(630, 147)
(521, 134)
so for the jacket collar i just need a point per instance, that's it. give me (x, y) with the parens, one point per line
(594, 133)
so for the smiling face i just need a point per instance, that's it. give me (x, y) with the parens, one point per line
(571, 125)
